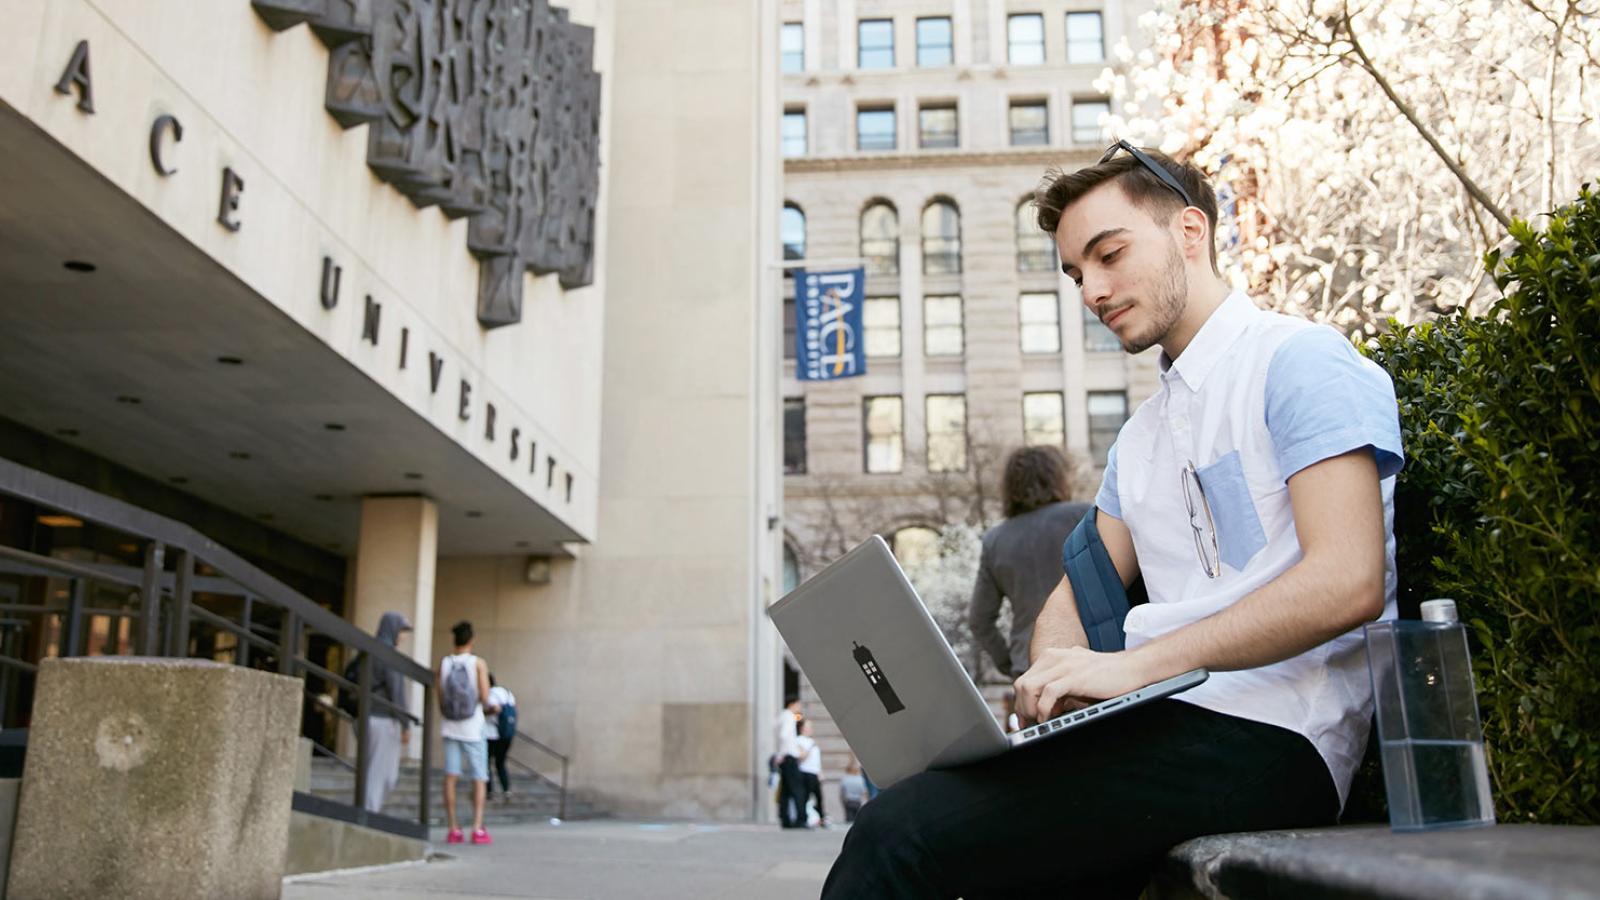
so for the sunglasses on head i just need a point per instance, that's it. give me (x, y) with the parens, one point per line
(1155, 168)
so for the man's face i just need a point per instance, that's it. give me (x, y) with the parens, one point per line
(1126, 264)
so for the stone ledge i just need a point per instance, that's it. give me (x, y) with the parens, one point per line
(1506, 861)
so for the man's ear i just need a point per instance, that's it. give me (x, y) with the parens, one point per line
(1195, 229)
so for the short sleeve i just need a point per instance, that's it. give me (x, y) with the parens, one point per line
(1324, 399)
(1107, 500)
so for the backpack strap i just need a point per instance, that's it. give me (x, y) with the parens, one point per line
(1102, 601)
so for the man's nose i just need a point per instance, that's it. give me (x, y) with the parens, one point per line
(1096, 291)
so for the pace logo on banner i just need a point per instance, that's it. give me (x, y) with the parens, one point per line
(828, 335)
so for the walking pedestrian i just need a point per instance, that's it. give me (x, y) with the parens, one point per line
(852, 789)
(1021, 558)
(500, 729)
(462, 682)
(791, 787)
(811, 773)
(388, 726)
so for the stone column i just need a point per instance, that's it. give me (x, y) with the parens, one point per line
(395, 563)
(156, 778)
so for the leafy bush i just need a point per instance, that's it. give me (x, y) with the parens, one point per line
(1499, 505)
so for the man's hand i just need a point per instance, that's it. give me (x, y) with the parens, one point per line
(405, 736)
(1068, 678)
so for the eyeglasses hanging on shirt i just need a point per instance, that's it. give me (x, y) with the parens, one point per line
(1205, 540)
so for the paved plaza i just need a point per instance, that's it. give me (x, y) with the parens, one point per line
(602, 861)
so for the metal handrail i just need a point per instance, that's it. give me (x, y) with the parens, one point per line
(72, 569)
(82, 503)
(156, 587)
(540, 745)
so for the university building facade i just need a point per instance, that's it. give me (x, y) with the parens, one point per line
(462, 309)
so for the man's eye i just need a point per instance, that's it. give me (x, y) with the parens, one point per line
(1111, 256)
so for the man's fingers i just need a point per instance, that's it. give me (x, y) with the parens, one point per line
(1048, 698)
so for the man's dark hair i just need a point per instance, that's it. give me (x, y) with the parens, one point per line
(463, 632)
(790, 700)
(1034, 477)
(1140, 185)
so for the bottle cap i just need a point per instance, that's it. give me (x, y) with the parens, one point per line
(1441, 611)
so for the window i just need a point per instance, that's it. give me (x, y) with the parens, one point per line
(1036, 251)
(880, 317)
(794, 47)
(794, 435)
(880, 239)
(941, 239)
(947, 433)
(875, 44)
(875, 129)
(791, 569)
(937, 126)
(884, 423)
(1041, 323)
(934, 44)
(1025, 38)
(914, 546)
(1097, 338)
(792, 226)
(1043, 419)
(1086, 120)
(1107, 411)
(1030, 123)
(1085, 38)
(941, 326)
(794, 133)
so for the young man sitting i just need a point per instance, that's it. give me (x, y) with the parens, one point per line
(1254, 495)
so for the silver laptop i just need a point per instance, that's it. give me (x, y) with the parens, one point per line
(885, 672)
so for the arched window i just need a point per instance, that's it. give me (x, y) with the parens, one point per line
(1036, 251)
(914, 545)
(880, 238)
(791, 569)
(792, 226)
(941, 238)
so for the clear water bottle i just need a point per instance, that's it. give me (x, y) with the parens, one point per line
(1427, 709)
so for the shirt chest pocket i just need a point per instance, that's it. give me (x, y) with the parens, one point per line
(1239, 533)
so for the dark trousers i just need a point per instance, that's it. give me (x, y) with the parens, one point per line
(813, 792)
(791, 794)
(498, 748)
(1084, 814)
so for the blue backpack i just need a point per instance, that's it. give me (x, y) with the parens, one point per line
(507, 722)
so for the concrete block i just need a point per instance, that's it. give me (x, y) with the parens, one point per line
(156, 778)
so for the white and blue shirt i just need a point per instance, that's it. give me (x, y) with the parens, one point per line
(1254, 398)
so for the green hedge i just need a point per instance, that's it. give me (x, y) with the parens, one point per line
(1499, 505)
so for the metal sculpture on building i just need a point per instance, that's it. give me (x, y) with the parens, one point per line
(488, 109)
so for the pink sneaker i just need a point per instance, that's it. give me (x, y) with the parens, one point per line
(481, 836)
(454, 837)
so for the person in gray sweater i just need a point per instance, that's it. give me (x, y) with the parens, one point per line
(1021, 560)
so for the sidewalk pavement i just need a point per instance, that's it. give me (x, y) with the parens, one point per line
(602, 860)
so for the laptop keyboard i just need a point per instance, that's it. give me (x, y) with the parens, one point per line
(1066, 719)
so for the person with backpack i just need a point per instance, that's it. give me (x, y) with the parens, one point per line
(501, 730)
(388, 727)
(462, 681)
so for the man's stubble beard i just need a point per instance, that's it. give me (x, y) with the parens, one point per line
(1170, 296)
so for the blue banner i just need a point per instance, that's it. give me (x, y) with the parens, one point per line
(828, 335)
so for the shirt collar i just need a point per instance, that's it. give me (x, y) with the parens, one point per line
(1224, 326)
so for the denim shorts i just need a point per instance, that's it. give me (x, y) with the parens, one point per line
(475, 754)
